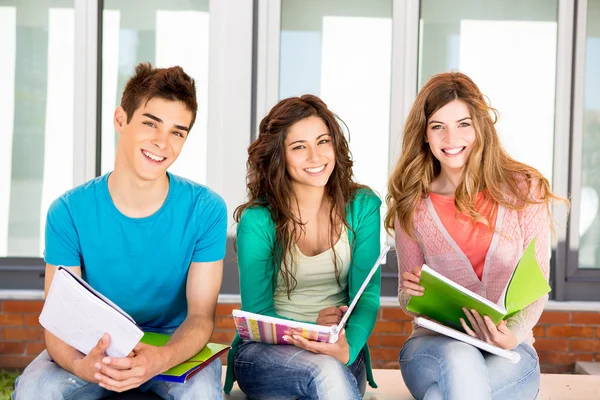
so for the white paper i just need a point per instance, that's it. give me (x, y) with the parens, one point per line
(378, 262)
(79, 316)
(513, 356)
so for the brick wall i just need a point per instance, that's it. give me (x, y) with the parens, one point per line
(562, 337)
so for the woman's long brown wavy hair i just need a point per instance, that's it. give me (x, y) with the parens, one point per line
(269, 184)
(489, 168)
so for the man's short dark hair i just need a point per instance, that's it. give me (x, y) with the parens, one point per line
(171, 84)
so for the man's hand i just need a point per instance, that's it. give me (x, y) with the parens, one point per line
(339, 349)
(121, 374)
(331, 315)
(85, 368)
(484, 329)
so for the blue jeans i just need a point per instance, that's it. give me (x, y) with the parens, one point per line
(439, 367)
(44, 379)
(265, 371)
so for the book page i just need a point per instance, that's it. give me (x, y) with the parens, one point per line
(513, 356)
(378, 262)
(260, 328)
(80, 318)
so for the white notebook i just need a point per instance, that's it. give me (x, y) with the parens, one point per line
(513, 356)
(79, 316)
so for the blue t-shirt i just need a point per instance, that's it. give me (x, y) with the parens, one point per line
(141, 264)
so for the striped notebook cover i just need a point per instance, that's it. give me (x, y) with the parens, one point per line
(260, 328)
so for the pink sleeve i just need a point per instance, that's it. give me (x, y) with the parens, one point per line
(409, 255)
(535, 224)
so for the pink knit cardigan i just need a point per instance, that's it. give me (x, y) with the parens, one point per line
(437, 249)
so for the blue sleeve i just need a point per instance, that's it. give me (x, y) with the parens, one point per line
(61, 238)
(212, 240)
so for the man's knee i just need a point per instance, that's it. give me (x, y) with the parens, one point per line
(206, 384)
(45, 379)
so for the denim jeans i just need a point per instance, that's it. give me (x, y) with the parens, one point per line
(44, 379)
(439, 367)
(265, 371)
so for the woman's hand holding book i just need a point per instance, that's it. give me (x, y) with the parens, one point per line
(410, 281)
(339, 350)
(484, 329)
(331, 315)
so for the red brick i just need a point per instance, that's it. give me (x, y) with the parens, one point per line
(23, 334)
(555, 317)
(587, 318)
(566, 358)
(23, 306)
(393, 340)
(544, 344)
(225, 323)
(15, 361)
(589, 346)
(32, 320)
(225, 337)
(539, 331)
(385, 354)
(11, 319)
(389, 326)
(542, 355)
(225, 310)
(391, 365)
(570, 331)
(374, 340)
(35, 348)
(12, 348)
(395, 314)
(408, 327)
(1, 305)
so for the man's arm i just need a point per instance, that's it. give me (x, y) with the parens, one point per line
(202, 290)
(67, 357)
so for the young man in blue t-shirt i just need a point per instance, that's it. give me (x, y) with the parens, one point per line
(150, 241)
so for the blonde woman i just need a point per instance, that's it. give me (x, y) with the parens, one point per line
(459, 203)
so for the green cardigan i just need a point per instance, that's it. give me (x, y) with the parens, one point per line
(258, 272)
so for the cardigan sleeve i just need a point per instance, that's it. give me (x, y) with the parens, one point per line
(255, 241)
(409, 255)
(535, 223)
(365, 251)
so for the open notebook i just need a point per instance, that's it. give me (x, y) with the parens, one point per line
(261, 328)
(79, 315)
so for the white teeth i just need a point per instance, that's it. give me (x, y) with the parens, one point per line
(152, 156)
(453, 151)
(315, 170)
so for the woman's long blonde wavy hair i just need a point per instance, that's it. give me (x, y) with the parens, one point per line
(489, 168)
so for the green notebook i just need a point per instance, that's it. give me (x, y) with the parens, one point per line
(443, 299)
(182, 372)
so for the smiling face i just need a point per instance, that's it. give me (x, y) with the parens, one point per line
(153, 138)
(309, 153)
(451, 136)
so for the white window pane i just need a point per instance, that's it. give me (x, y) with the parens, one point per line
(165, 33)
(509, 49)
(340, 50)
(8, 49)
(36, 107)
(589, 217)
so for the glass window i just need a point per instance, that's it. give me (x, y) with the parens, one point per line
(341, 51)
(165, 33)
(36, 109)
(509, 49)
(589, 218)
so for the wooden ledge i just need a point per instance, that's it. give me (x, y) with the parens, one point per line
(554, 387)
